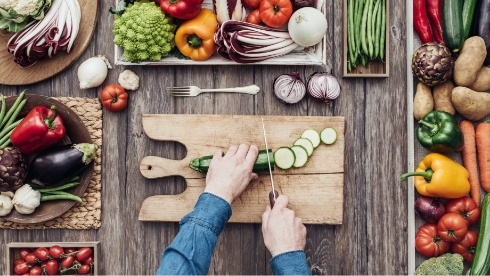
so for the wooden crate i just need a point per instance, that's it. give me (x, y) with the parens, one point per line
(376, 69)
(13, 251)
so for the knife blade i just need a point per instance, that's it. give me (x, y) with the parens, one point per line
(273, 194)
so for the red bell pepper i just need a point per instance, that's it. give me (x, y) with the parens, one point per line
(434, 12)
(40, 129)
(181, 9)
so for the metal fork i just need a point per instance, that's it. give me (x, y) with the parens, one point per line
(191, 91)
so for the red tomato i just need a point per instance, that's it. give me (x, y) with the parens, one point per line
(36, 270)
(67, 261)
(31, 258)
(21, 268)
(428, 243)
(69, 250)
(452, 227)
(89, 260)
(23, 252)
(42, 253)
(275, 13)
(83, 253)
(466, 207)
(114, 97)
(466, 247)
(52, 267)
(84, 269)
(252, 4)
(18, 261)
(254, 17)
(56, 251)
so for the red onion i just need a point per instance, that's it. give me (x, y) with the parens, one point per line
(289, 88)
(323, 86)
(429, 209)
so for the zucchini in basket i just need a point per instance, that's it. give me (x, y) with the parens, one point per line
(261, 164)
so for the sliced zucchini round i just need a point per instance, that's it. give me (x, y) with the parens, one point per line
(301, 156)
(305, 143)
(328, 135)
(284, 158)
(313, 136)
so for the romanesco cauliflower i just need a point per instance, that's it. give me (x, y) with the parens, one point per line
(144, 32)
(14, 14)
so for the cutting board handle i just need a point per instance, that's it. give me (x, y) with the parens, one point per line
(156, 167)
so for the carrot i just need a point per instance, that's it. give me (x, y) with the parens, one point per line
(470, 159)
(483, 147)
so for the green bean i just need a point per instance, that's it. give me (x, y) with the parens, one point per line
(59, 195)
(5, 141)
(350, 31)
(12, 109)
(358, 26)
(377, 12)
(16, 113)
(383, 32)
(58, 188)
(364, 27)
(4, 108)
(7, 129)
(370, 29)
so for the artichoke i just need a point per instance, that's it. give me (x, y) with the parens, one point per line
(432, 64)
(13, 169)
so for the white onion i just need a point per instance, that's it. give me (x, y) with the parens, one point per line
(289, 88)
(323, 86)
(307, 26)
(93, 71)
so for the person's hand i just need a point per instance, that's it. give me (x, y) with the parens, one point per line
(229, 175)
(282, 230)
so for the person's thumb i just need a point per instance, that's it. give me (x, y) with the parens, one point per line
(265, 217)
(281, 202)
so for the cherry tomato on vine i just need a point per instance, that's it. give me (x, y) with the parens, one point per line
(52, 267)
(36, 270)
(114, 97)
(67, 261)
(23, 252)
(83, 253)
(89, 260)
(84, 269)
(466, 207)
(452, 227)
(42, 253)
(31, 258)
(429, 243)
(69, 250)
(56, 251)
(21, 268)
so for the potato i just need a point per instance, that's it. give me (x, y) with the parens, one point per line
(472, 105)
(442, 97)
(482, 81)
(423, 103)
(469, 61)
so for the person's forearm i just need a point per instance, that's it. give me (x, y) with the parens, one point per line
(191, 250)
(290, 263)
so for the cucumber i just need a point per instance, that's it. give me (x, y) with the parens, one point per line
(261, 163)
(284, 158)
(301, 156)
(469, 8)
(313, 136)
(305, 143)
(328, 135)
(452, 24)
(481, 262)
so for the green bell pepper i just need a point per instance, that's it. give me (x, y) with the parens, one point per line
(438, 131)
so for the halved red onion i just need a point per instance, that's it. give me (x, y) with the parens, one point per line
(289, 88)
(323, 86)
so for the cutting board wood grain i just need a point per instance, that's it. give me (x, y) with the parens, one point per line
(315, 191)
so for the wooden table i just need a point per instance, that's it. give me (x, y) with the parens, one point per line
(373, 236)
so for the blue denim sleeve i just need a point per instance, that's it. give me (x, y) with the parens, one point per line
(290, 263)
(191, 250)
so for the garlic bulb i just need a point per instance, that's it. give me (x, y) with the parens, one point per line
(6, 203)
(129, 80)
(26, 199)
(93, 71)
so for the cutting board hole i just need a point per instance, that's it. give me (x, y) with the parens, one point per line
(149, 167)
(172, 185)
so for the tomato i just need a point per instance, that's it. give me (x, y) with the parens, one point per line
(89, 260)
(18, 261)
(83, 253)
(252, 4)
(452, 227)
(31, 258)
(254, 17)
(69, 250)
(84, 269)
(275, 13)
(51, 267)
(42, 253)
(114, 97)
(466, 207)
(467, 246)
(21, 268)
(36, 270)
(428, 243)
(56, 251)
(23, 252)
(67, 261)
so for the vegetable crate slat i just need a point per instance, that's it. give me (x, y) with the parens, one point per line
(315, 190)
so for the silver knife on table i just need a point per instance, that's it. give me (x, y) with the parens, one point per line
(273, 194)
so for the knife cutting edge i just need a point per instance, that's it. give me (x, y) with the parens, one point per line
(273, 194)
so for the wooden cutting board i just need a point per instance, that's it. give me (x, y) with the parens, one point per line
(315, 191)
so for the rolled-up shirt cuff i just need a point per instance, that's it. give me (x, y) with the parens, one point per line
(290, 263)
(210, 211)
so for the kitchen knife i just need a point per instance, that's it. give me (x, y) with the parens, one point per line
(273, 193)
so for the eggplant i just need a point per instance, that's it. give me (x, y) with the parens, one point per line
(57, 165)
(483, 28)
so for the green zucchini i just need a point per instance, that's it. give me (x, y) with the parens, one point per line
(284, 158)
(261, 164)
(301, 156)
(452, 24)
(481, 262)
(469, 8)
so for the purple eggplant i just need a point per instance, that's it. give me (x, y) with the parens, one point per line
(483, 26)
(60, 164)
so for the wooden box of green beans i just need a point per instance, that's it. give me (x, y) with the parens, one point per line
(366, 38)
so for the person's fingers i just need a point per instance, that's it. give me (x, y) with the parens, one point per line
(281, 202)
(242, 151)
(231, 150)
(218, 154)
(253, 176)
(252, 153)
(265, 217)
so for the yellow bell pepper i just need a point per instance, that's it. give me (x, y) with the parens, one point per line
(439, 176)
(195, 37)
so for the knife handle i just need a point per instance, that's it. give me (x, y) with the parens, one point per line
(271, 198)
